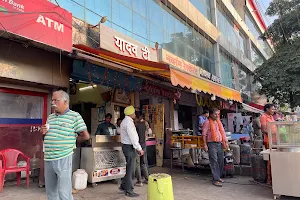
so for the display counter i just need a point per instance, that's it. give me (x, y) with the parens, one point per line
(284, 140)
(104, 160)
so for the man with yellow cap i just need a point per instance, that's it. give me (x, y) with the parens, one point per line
(131, 145)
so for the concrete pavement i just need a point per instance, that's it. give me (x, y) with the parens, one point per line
(194, 185)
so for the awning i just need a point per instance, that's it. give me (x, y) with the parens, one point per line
(177, 77)
(203, 85)
(251, 109)
(135, 63)
(257, 106)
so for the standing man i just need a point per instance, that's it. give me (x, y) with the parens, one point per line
(119, 121)
(202, 119)
(264, 120)
(214, 139)
(103, 127)
(257, 127)
(234, 123)
(60, 133)
(131, 146)
(141, 161)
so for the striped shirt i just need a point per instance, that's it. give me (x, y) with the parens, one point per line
(60, 140)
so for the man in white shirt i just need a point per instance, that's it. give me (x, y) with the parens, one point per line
(130, 141)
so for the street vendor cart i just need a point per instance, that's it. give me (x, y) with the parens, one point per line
(284, 140)
(104, 160)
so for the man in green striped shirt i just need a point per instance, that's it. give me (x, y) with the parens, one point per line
(63, 129)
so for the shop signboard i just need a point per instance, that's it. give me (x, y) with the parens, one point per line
(158, 91)
(37, 20)
(119, 43)
(187, 67)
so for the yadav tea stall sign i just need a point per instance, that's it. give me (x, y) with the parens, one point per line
(187, 67)
(119, 43)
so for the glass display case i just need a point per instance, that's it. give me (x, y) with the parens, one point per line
(284, 135)
(284, 140)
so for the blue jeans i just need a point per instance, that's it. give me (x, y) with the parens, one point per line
(216, 159)
(58, 179)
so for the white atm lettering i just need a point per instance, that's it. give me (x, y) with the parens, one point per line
(50, 23)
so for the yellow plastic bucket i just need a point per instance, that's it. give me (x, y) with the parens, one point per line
(160, 187)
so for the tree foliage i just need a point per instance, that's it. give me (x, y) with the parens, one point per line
(280, 75)
(287, 26)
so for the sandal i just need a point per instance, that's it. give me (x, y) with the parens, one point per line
(222, 181)
(217, 183)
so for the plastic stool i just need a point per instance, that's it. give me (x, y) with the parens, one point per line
(160, 187)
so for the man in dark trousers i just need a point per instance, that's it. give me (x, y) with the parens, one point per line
(141, 161)
(130, 147)
(214, 139)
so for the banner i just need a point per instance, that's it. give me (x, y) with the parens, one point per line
(37, 20)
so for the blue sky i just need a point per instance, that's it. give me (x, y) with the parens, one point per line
(263, 4)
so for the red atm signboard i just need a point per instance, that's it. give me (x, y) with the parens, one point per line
(37, 20)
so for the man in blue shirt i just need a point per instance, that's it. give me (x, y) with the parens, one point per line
(202, 118)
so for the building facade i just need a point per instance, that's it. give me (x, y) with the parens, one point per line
(219, 36)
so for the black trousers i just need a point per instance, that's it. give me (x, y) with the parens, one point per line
(130, 155)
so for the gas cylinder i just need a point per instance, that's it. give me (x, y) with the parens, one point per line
(245, 151)
(236, 152)
(258, 146)
(258, 168)
(228, 164)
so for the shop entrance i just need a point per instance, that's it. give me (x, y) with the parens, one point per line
(185, 117)
(22, 114)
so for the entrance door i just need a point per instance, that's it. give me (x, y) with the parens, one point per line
(21, 115)
(154, 114)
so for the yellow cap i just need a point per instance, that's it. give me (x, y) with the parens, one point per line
(129, 110)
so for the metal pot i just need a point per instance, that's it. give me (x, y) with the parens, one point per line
(177, 145)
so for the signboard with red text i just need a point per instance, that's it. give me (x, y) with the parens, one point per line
(119, 43)
(37, 20)
(158, 91)
(187, 67)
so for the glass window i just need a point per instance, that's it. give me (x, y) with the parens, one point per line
(155, 14)
(189, 37)
(227, 27)
(203, 6)
(179, 30)
(156, 35)
(198, 60)
(169, 25)
(140, 26)
(100, 7)
(141, 39)
(180, 48)
(20, 106)
(122, 18)
(206, 64)
(256, 58)
(126, 2)
(256, 32)
(77, 10)
(189, 54)
(226, 70)
(139, 6)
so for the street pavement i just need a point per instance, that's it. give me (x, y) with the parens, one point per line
(189, 185)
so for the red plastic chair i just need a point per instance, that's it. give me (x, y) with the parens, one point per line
(10, 165)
